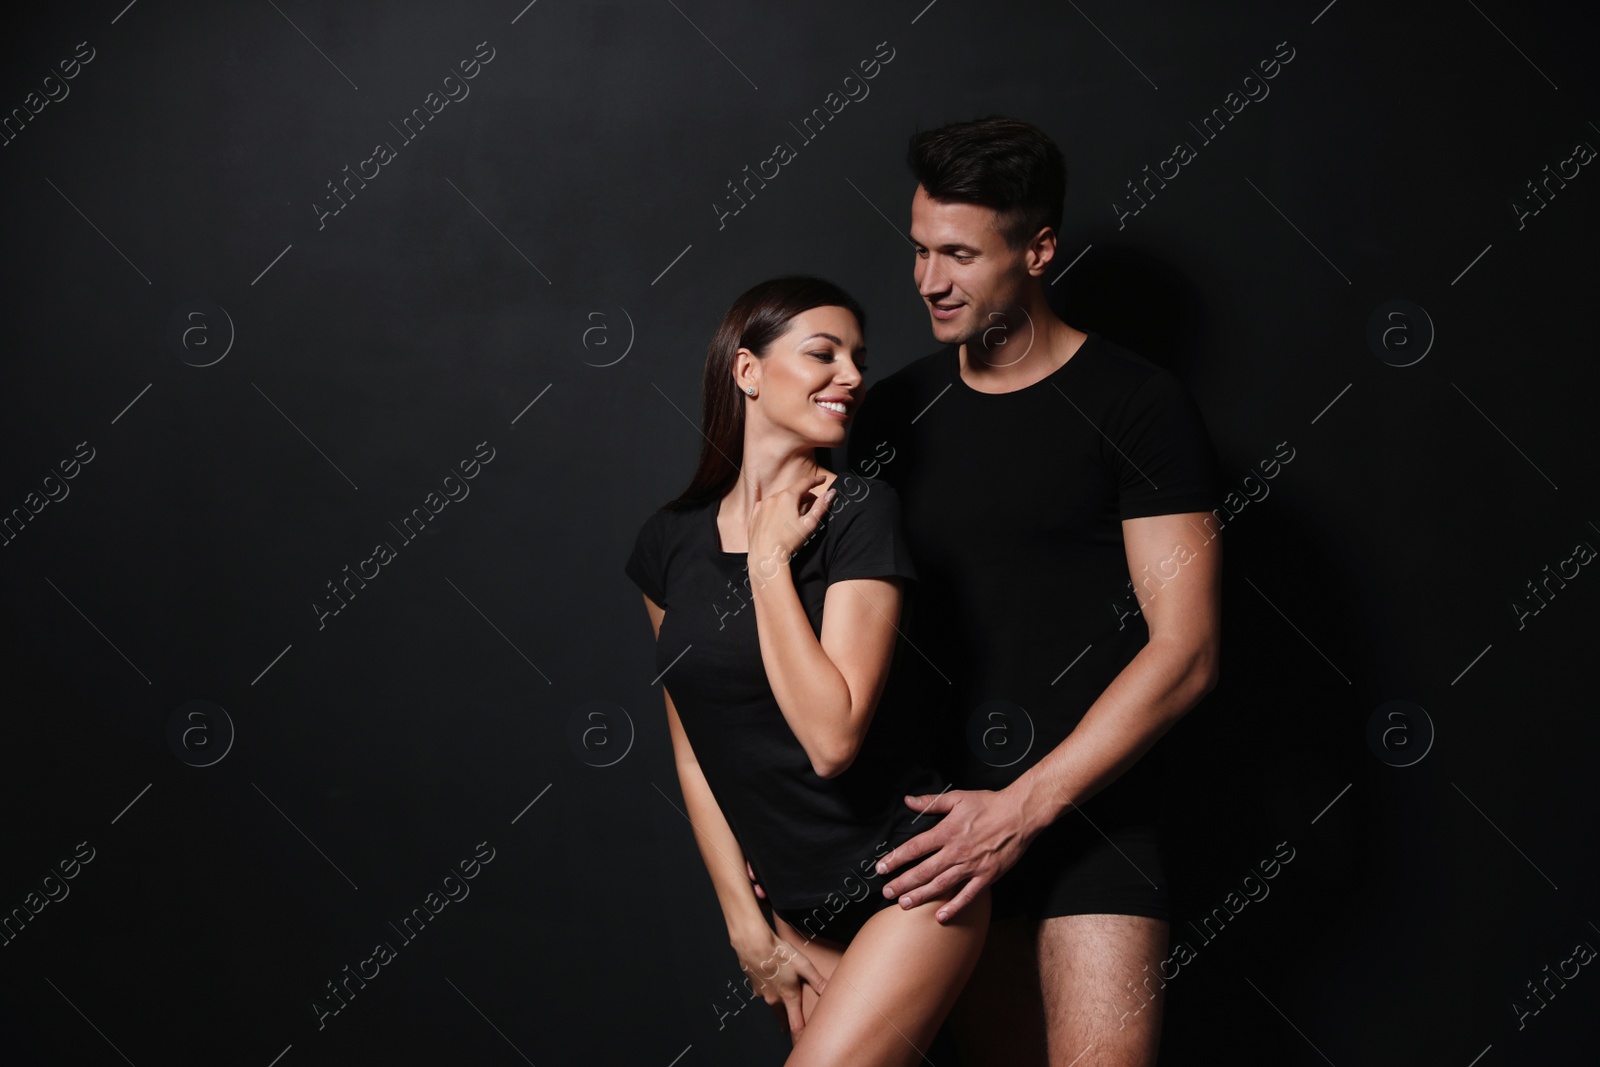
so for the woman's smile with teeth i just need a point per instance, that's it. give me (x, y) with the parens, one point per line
(832, 405)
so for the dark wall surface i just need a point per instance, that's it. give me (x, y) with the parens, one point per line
(225, 383)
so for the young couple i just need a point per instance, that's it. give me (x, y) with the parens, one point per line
(912, 707)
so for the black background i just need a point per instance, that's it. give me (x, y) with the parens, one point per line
(561, 215)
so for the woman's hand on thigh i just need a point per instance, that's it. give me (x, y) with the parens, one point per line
(778, 973)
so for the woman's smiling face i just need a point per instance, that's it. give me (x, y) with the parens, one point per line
(809, 382)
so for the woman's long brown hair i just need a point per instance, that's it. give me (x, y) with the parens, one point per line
(760, 315)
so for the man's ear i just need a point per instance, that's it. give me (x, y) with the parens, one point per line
(1041, 251)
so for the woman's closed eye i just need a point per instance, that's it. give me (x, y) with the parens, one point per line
(827, 357)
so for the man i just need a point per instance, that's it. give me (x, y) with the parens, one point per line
(1056, 489)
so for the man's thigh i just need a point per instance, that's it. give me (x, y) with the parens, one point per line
(1102, 989)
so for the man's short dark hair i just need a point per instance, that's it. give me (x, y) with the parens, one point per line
(1001, 163)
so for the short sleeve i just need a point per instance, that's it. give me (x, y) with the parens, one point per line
(647, 564)
(1164, 458)
(866, 536)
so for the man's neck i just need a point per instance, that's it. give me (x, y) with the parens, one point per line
(1030, 353)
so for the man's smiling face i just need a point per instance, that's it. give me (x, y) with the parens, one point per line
(964, 271)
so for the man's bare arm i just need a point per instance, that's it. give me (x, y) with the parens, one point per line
(1180, 597)
(983, 833)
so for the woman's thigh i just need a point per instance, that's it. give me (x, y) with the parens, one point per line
(896, 981)
(824, 953)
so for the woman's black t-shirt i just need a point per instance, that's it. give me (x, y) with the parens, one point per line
(811, 841)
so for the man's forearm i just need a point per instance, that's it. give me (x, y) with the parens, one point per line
(1143, 702)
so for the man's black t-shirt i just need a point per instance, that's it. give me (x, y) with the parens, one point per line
(811, 841)
(1013, 502)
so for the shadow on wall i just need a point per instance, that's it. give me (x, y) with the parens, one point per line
(1278, 739)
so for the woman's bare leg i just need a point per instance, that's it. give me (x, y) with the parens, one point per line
(884, 1000)
(824, 952)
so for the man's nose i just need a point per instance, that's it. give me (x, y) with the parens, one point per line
(930, 281)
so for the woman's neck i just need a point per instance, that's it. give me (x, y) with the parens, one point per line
(764, 473)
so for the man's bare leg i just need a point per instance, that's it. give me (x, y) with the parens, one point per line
(1102, 988)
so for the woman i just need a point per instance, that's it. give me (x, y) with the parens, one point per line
(774, 589)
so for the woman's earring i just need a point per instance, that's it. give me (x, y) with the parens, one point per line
(750, 389)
